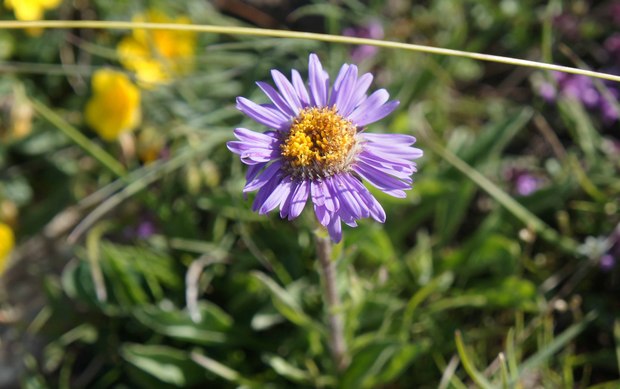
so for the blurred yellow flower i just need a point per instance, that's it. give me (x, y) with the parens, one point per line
(156, 56)
(150, 144)
(15, 114)
(30, 9)
(114, 107)
(7, 241)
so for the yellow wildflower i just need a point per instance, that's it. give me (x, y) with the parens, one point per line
(156, 56)
(7, 241)
(114, 107)
(30, 9)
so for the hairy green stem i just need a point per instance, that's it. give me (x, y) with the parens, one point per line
(337, 343)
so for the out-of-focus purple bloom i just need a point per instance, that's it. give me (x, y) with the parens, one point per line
(578, 87)
(526, 184)
(609, 109)
(607, 262)
(614, 11)
(567, 24)
(145, 229)
(548, 92)
(612, 45)
(583, 89)
(372, 30)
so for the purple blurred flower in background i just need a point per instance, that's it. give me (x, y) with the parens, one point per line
(612, 46)
(568, 25)
(144, 229)
(609, 109)
(614, 11)
(607, 262)
(578, 87)
(523, 181)
(526, 184)
(582, 89)
(372, 30)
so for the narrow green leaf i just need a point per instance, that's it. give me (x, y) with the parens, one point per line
(559, 342)
(212, 329)
(468, 364)
(284, 302)
(167, 364)
(287, 370)
(380, 362)
(78, 138)
(221, 370)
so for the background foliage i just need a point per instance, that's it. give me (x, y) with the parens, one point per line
(498, 270)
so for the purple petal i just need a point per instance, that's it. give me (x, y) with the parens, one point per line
(265, 191)
(277, 197)
(318, 197)
(263, 114)
(373, 108)
(297, 200)
(347, 200)
(359, 93)
(373, 113)
(288, 91)
(373, 208)
(277, 99)
(335, 229)
(394, 140)
(322, 215)
(402, 170)
(253, 171)
(344, 90)
(380, 180)
(331, 201)
(262, 179)
(403, 153)
(317, 81)
(300, 88)
(254, 147)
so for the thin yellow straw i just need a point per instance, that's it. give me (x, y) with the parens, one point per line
(232, 30)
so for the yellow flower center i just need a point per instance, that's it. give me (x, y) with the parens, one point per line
(319, 144)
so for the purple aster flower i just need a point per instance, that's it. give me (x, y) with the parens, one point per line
(317, 148)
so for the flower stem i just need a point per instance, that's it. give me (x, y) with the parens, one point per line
(332, 299)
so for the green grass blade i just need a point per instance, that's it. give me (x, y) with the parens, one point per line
(468, 364)
(79, 139)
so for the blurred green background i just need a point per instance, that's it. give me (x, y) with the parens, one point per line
(137, 262)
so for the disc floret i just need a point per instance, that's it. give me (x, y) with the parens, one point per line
(319, 144)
